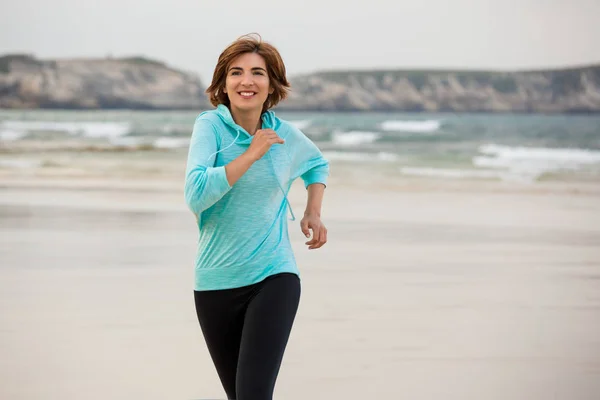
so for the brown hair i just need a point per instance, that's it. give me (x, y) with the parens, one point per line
(275, 70)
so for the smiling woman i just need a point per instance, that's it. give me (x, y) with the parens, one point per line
(241, 165)
(255, 58)
(247, 83)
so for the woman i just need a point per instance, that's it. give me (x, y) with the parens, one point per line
(241, 164)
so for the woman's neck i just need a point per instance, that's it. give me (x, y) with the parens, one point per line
(249, 120)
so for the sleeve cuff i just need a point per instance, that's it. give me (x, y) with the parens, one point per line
(315, 176)
(220, 178)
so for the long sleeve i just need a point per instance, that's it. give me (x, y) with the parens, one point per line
(308, 161)
(205, 184)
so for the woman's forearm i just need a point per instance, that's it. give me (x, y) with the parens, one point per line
(315, 199)
(238, 167)
(262, 141)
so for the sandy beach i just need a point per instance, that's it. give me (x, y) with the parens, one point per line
(426, 290)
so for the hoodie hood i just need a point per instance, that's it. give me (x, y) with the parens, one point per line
(269, 121)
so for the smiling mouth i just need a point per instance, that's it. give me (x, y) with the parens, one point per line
(247, 95)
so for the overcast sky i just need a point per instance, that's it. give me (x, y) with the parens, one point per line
(313, 35)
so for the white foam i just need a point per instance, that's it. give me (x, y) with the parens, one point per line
(11, 135)
(386, 157)
(301, 124)
(567, 156)
(427, 126)
(171, 143)
(450, 173)
(359, 157)
(87, 129)
(354, 138)
(530, 163)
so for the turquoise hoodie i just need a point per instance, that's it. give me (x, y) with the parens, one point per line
(243, 231)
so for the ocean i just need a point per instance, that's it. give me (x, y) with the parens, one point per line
(507, 147)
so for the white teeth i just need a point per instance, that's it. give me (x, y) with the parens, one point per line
(247, 93)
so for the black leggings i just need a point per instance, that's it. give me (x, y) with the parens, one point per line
(246, 330)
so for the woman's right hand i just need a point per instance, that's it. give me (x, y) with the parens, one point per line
(261, 143)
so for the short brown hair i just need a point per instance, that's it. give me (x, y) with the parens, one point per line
(275, 70)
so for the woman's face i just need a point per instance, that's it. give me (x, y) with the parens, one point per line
(247, 83)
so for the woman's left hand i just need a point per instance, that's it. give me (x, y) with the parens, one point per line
(319, 232)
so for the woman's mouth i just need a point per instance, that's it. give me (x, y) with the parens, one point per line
(247, 95)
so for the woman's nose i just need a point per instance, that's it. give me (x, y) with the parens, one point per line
(247, 80)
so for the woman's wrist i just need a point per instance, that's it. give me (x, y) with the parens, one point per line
(312, 211)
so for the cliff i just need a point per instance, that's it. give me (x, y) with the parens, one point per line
(140, 83)
(572, 90)
(135, 83)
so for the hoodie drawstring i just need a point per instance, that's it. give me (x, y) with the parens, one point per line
(289, 205)
(218, 151)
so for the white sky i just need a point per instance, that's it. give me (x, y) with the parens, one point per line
(312, 35)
